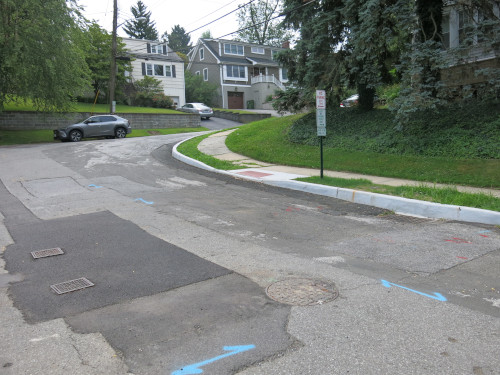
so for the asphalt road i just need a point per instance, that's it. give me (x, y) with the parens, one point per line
(198, 271)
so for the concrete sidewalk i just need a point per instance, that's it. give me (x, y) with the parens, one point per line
(283, 176)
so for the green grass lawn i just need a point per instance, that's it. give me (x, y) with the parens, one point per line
(423, 192)
(98, 108)
(266, 140)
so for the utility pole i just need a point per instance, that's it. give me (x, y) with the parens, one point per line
(112, 77)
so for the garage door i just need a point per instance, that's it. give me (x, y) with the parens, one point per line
(235, 100)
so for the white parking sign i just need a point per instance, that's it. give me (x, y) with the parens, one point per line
(321, 113)
(320, 99)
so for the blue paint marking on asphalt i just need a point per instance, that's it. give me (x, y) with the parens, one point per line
(484, 231)
(437, 296)
(142, 200)
(195, 368)
(97, 187)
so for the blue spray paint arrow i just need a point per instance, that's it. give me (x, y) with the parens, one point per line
(195, 368)
(437, 296)
(142, 200)
(97, 187)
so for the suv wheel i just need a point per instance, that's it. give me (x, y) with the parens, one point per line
(75, 136)
(120, 133)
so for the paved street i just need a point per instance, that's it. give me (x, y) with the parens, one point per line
(196, 272)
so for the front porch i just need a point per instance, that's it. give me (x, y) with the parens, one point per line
(261, 78)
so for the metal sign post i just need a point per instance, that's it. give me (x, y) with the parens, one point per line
(321, 121)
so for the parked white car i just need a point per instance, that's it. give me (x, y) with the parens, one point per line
(203, 110)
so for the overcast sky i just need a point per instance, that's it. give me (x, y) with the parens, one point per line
(189, 14)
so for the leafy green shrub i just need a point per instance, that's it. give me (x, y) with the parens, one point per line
(148, 93)
(458, 131)
(387, 94)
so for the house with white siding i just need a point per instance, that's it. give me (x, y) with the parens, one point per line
(156, 59)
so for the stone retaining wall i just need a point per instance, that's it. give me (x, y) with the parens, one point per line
(244, 118)
(35, 120)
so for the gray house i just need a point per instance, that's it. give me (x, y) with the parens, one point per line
(244, 73)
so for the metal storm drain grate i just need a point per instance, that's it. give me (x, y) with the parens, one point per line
(302, 292)
(47, 253)
(72, 285)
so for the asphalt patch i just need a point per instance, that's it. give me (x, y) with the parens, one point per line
(122, 260)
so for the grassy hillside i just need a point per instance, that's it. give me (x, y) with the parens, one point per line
(354, 137)
(471, 131)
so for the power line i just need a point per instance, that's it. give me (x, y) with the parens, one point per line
(260, 23)
(199, 19)
(227, 14)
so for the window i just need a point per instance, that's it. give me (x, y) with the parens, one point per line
(464, 26)
(233, 49)
(202, 54)
(198, 73)
(259, 50)
(236, 72)
(205, 74)
(274, 53)
(157, 48)
(159, 70)
(283, 74)
(446, 31)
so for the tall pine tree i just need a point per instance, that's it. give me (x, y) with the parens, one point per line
(178, 39)
(141, 27)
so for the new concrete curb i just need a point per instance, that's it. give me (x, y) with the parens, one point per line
(399, 205)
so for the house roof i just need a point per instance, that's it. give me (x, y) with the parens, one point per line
(224, 59)
(235, 60)
(172, 56)
(133, 49)
(260, 61)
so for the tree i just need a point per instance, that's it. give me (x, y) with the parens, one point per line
(178, 40)
(257, 25)
(318, 60)
(346, 43)
(141, 27)
(98, 59)
(206, 35)
(40, 54)
(423, 60)
(197, 90)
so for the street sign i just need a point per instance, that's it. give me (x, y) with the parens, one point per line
(320, 99)
(321, 122)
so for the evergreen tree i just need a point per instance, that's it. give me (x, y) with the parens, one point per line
(178, 40)
(141, 27)
(206, 35)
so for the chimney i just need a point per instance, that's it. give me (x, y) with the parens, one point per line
(286, 44)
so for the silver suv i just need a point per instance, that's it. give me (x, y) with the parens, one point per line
(109, 126)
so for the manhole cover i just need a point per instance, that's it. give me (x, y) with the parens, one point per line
(302, 292)
(72, 285)
(46, 253)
